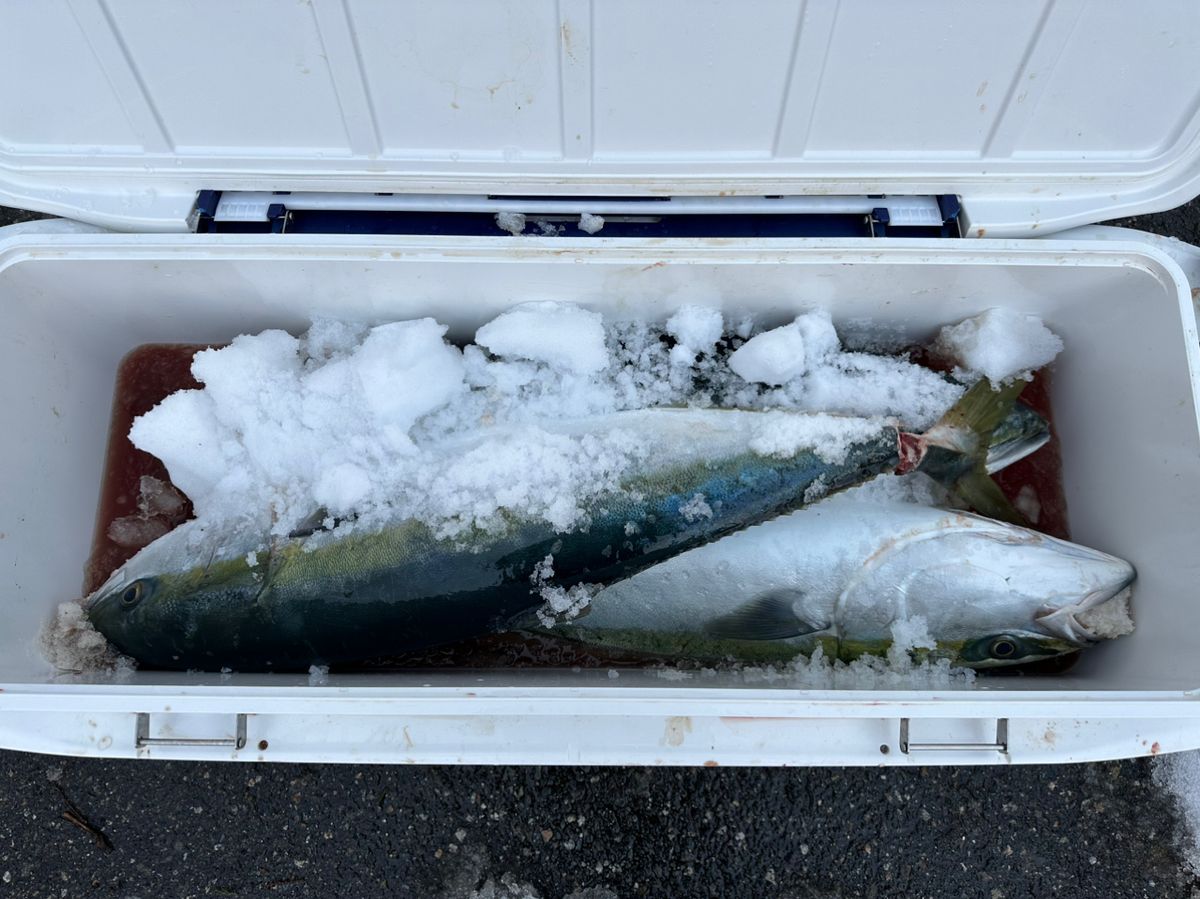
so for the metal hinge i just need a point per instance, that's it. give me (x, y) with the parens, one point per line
(143, 738)
(686, 216)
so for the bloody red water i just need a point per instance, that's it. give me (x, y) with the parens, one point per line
(1039, 475)
(152, 372)
(146, 376)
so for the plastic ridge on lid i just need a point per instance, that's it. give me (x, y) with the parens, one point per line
(126, 123)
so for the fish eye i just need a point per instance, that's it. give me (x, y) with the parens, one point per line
(132, 594)
(1003, 648)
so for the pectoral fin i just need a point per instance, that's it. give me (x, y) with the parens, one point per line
(768, 616)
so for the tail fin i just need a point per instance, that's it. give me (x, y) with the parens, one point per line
(968, 426)
(1021, 434)
(957, 446)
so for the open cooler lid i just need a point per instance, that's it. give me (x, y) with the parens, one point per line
(1040, 114)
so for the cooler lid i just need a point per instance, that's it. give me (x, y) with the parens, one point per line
(1040, 114)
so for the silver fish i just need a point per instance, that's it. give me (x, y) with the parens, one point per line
(839, 575)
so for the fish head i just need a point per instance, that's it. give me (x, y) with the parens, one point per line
(167, 618)
(994, 594)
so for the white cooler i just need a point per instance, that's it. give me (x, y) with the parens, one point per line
(162, 129)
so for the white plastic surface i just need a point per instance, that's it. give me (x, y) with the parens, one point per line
(1039, 113)
(71, 305)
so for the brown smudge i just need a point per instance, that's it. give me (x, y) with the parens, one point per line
(677, 728)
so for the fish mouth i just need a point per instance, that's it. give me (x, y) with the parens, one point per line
(1065, 621)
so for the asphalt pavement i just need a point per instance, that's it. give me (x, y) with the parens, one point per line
(156, 830)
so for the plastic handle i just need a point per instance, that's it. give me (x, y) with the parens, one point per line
(1000, 744)
(144, 739)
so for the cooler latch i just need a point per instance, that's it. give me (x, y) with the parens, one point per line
(683, 216)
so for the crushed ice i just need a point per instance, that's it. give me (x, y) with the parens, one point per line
(899, 670)
(363, 425)
(999, 344)
(352, 425)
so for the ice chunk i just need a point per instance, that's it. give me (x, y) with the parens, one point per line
(183, 431)
(273, 434)
(773, 357)
(909, 634)
(1111, 618)
(235, 376)
(74, 646)
(342, 488)
(562, 604)
(914, 487)
(160, 508)
(331, 338)
(999, 344)
(1028, 504)
(829, 436)
(560, 334)
(405, 370)
(673, 674)
(696, 330)
(318, 676)
(696, 509)
(818, 334)
(157, 497)
(530, 471)
(136, 531)
(816, 490)
(862, 384)
(590, 224)
(512, 222)
(896, 672)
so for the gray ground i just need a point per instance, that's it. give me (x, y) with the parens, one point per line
(183, 829)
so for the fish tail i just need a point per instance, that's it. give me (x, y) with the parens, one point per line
(954, 451)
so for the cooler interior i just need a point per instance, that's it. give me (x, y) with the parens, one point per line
(1123, 389)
